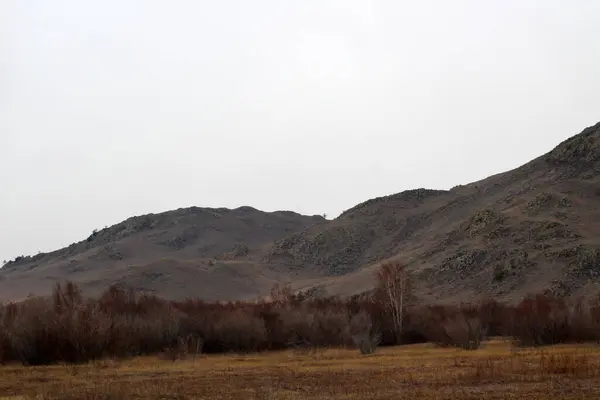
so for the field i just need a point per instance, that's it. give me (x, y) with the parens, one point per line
(496, 371)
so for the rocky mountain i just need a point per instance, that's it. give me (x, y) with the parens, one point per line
(203, 252)
(533, 229)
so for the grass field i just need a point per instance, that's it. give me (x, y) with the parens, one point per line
(496, 371)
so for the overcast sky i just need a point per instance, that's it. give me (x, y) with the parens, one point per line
(116, 108)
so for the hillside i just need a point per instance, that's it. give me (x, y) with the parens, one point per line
(531, 229)
(534, 228)
(187, 252)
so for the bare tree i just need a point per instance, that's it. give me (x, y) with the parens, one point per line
(394, 291)
(281, 294)
(363, 335)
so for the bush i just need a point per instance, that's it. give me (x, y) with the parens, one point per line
(463, 327)
(240, 331)
(365, 337)
(33, 333)
(67, 327)
(544, 320)
(465, 331)
(306, 326)
(540, 320)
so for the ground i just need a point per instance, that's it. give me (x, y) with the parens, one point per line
(496, 371)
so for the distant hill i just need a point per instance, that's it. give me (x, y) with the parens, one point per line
(203, 252)
(533, 229)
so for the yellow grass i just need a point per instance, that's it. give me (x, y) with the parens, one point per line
(409, 372)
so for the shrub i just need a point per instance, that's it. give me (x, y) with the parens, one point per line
(453, 328)
(305, 326)
(190, 344)
(540, 320)
(33, 333)
(365, 337)
(584, 321)
(465, 331)
(240, 331)
(67, 327)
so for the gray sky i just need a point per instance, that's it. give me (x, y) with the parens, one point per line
(116, 108)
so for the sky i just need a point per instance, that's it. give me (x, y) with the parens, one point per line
(117, 108)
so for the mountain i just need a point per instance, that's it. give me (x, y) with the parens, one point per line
(533, 229)
(194, 251)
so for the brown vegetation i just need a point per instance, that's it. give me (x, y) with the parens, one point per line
(407, 372)
(113, 346)
(121, 323)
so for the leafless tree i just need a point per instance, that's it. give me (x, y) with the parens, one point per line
(363, 335)
(394, 291)
(281, 294)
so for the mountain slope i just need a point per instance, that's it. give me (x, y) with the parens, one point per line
(533, 229)
(187, 252)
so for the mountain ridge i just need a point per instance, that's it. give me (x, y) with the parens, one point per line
(530, 229)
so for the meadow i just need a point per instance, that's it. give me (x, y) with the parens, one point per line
(497, 370)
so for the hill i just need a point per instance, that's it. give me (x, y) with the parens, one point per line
(194, 251)
(532, 229)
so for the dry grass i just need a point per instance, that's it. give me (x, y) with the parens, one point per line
(496, 371)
